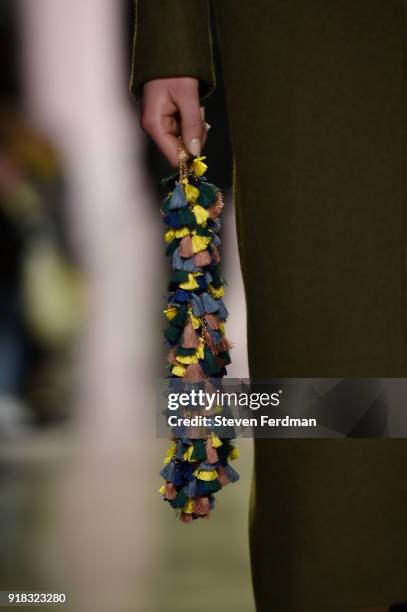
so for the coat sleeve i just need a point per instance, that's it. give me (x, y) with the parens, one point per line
(172, 38)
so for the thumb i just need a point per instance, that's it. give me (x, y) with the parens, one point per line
(192, 125)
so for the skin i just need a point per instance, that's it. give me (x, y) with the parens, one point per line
(170, 108)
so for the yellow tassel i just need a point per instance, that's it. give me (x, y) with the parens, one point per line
(178, 370)
(191, 283)
(170, 313)
(198, 167)
(170, 453)
(183, 231)
(216, 292)
(234, 453)
(200, 350)
(178, 233)
(189, 507)
(216, 442)
(222, 328)
(191, 192)
(196, 321)
(206, 475)
(201, 214)
(187, 359)
(170, 235)
(188, 453)
(162, 489)
(199, 243)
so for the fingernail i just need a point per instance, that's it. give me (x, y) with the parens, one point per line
(195, 146)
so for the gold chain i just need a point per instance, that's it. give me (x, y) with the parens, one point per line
(182, 159)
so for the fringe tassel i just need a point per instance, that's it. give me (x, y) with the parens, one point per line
(197, 464)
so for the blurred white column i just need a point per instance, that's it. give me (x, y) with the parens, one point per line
(76, 91)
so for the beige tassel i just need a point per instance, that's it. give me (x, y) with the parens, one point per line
(211, 453)
(215, 210)
(193, 373)
(172, 355)
(212, 320)
(190, 339)
(194, 433)
(186, 518)
(170, 492)
(225, 345)
(202, 259)
(185, 247)
(215, 255)
(201, 505)
(222, 476)
(210, 342)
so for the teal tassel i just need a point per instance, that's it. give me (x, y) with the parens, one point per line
(207, 194)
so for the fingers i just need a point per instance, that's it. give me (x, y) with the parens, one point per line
(171, 108)
(192, 125)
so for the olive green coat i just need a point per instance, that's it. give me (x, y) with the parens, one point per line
(316, 96)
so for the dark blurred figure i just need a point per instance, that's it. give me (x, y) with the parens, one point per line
(39, 282)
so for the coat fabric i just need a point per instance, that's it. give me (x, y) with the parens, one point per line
(316, 98)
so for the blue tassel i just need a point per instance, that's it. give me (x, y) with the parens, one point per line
(179, 263)
(179, 432)
(197, 306)
(231, 473)
(178, 198)
(215, 240)
(208, 467)
(223, 311)
(215, 335)
(172, 220)
(168, 471)
(209, 303)
(190, 489)
(202, 282)
(208, 277)
(179, 450)
(181, 296)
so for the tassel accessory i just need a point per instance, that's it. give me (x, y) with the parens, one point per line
(197, 463)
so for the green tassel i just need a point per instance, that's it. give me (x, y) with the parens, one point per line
(199, 452)
(181, 317)
(172, 246)
(213, 486)
(224, 450)
(187, 217)
(224, 355)
(179, 276)
(185, 352)
(210, 361)
(173, 334)
(180, 500)
(217, 279)
(207, 194)
(203, 231)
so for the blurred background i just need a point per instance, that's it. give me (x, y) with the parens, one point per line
(82, 278)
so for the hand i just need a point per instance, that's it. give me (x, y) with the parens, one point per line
(170, 108)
